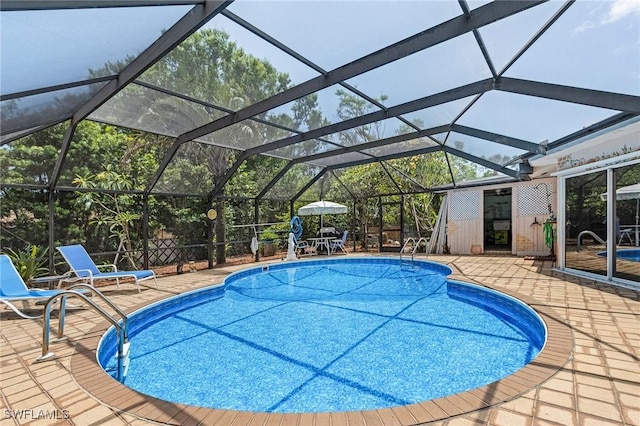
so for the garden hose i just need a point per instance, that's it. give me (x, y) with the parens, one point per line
(547, 228)
(296, 227)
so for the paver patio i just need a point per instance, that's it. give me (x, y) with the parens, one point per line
(596, 383)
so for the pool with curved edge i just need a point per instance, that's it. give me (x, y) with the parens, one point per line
(632, 255)
(329, 335)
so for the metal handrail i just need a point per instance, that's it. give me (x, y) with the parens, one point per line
(62, 295)
(416, 244)
(107, 301)
(594, 235)
(404, 246)
(426, 241)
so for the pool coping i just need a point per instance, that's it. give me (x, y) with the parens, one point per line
(555, 354)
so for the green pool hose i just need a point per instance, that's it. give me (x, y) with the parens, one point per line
(547, 228)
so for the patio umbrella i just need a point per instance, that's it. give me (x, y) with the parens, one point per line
(322, 208)
(631, 192)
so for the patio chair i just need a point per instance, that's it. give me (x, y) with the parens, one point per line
(304, 248)
(85, 269)
(625, 233)
(339, 244)
(13, 288)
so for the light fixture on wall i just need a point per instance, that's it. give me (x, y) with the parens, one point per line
(499, 191)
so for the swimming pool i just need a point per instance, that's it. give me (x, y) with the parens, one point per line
(375, 334)
(632, 255)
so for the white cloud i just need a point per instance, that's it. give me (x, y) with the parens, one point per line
(620, 9)
(586, 25)
(609, 11)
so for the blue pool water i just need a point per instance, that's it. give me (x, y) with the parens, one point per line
(632, 255)
(331, 335)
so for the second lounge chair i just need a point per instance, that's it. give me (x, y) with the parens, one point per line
(85, 269)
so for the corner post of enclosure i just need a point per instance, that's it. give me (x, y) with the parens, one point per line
(561, 196)
(402, 221)
(256, 219)
(612, 220)
(353, 227)
(210, 235)
(52, 240)
(145, 230)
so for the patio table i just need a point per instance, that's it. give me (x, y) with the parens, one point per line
(322, 242)
(51, 280)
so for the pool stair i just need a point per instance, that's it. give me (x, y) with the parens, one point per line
(404, 262)
(120, 325)
(124, 359)
(593, 234)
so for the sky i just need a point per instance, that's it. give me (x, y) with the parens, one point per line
(595, 44)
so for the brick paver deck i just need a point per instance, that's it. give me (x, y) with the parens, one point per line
(588, 374)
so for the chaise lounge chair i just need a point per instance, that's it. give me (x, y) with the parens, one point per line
(13, 288)
(85, 269)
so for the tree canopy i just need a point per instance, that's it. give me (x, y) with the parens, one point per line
(122, 161)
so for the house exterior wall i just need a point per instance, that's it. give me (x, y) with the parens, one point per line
(464, 220)
(529, 211)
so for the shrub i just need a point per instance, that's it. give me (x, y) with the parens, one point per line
(30, 262)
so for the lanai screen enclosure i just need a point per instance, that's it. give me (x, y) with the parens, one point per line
(124, 122)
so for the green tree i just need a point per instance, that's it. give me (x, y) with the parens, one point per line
(114, 211)
(410, 173)
(31, 160)
(209, 66)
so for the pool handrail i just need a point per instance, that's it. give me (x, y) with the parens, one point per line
(106, 300)
(416, 244)
(121, 327)
(593, 234)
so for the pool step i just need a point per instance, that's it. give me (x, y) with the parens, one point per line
(406, 264)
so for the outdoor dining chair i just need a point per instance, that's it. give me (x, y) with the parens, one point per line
(339, 244)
